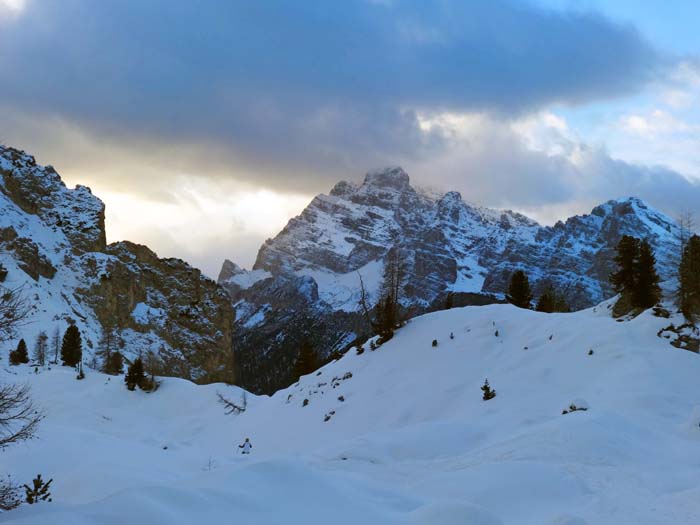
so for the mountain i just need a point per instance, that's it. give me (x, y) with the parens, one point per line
(53, 246)
(398, 435)
(306, 281)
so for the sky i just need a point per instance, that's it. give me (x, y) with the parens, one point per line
(206, 126)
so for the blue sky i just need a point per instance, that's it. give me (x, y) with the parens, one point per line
(672, 24)
(234, 114)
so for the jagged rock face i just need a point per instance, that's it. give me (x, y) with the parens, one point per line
(39, 191)
(446, 245)
(52, 242)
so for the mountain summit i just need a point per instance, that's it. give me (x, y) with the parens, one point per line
(307, 278)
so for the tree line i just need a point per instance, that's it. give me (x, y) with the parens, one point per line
(636, 280)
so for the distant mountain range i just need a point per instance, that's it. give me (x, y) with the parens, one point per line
(306, 281)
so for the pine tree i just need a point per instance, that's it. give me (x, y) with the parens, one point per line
(306, 360)
(552, 301)
(689, 278)
(546, 302)
(56, 344)
(39, 491)
(20, 354)
(488, 393)
(624, 280)
(41, 348)
(387, 310)
(134, 375)
(106, 348)
(646, 292)
(561, 304)
(115, 365)
(72, 347)
(519, 293)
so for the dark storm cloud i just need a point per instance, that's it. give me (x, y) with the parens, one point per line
(317, 88)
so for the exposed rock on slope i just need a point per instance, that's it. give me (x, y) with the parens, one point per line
(52, 241)
(307, 279)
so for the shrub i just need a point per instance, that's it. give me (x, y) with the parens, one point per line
(488, 392)
(39, 491)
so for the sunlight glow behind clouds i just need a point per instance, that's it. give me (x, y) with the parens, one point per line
(12, 5)
(199, 219)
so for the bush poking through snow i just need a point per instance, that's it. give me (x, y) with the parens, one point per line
(236, 408)
(578, 405)
(9, 495)
(488, 392)
(39, 491)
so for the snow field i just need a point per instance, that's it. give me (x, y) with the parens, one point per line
(411, 440)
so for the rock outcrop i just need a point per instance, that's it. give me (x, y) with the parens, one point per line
(53, 245)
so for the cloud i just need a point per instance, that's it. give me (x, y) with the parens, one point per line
(539, 166)
(168, 108)
(290, 93)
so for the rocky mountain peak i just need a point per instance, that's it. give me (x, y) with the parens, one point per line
(393, 177)
(228, 270)
(39, 190)
(447, 246)
(53, 246)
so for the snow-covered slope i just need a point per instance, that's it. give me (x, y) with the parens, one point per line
(393, 436)
(52, 244)
(306, 281)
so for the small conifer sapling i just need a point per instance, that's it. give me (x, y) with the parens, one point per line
(488, 392)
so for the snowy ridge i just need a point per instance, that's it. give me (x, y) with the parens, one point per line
(393, 436)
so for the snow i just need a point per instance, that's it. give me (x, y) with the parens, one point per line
(342, 291)
(258, 317)
(246, 279)
(412, 441)
(144, 314)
